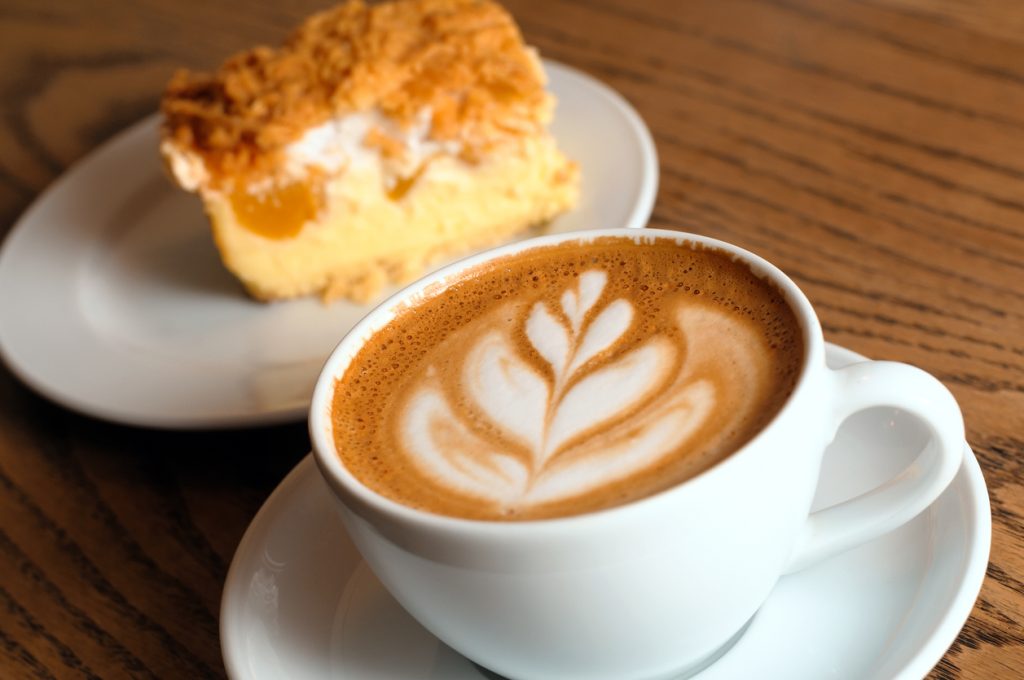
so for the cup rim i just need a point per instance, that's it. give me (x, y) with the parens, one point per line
(352, 491)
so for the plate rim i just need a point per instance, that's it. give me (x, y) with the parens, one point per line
(944, 630)
(13, 355)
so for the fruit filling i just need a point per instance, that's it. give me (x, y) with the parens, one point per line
(278, 213)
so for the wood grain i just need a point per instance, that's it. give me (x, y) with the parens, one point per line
(873, 150)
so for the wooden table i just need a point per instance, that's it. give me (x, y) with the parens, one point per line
(874, 151)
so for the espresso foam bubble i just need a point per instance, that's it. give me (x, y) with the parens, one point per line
(567, 378)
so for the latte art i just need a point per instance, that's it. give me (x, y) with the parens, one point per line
(584, 422)
(567, 380)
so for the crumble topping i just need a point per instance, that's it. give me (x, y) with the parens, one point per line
(463, 61)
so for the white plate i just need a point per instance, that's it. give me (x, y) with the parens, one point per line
(299, 602)
(115, 303)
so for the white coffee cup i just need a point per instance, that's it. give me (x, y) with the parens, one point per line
(655, 587)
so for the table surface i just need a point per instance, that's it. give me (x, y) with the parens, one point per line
(873, 150)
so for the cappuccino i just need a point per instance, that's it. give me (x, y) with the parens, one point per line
(565, 379)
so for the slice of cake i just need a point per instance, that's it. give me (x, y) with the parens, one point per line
(377, 139)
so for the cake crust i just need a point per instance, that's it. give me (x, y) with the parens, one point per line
(461, 60)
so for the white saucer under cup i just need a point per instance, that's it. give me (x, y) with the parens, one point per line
(133, 319)
(299, 602)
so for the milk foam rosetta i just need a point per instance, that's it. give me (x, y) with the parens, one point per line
(567, 379)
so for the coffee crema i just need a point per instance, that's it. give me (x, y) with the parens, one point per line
(565, 379)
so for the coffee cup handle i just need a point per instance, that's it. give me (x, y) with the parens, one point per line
(884, 383)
